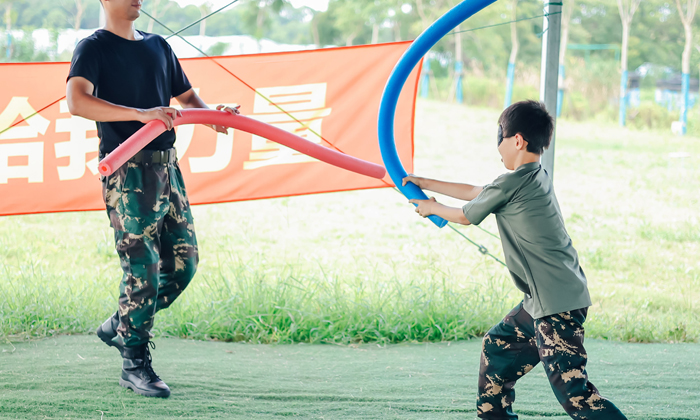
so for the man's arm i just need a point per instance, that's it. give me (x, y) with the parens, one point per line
(460, 191)
(431, 207)
(190, 99)
(81, 103)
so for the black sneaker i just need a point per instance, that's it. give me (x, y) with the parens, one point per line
(138, 374)
(108, 332)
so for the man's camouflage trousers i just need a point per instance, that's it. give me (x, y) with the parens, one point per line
(518, 343)
(154, 234)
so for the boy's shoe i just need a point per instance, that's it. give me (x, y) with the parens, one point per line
(108, 332)
(138, 374)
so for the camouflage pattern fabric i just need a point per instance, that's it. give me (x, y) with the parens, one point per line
(154, 234)
(518, 343)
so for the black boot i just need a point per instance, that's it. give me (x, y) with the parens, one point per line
(138, 375)
(108, 332)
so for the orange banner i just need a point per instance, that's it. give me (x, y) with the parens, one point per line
(48, 163)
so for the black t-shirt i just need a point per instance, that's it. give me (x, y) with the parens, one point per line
(138, 74)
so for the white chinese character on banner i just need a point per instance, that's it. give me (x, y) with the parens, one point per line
(184, 133)
(77, 147)
(29, 154)
(219, 160)
(223, 152)
(307, 104)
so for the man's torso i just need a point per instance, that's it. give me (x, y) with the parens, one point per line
(139, 74)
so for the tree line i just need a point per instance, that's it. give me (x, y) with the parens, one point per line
(656, 33)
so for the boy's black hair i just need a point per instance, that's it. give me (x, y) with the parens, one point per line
(532, 121)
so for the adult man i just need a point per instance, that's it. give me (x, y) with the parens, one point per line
(123, 78)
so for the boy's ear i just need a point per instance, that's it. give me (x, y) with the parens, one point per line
(520, 142)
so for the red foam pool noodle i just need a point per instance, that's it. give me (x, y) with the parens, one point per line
(238, 122)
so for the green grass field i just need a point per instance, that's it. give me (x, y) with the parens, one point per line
(363, 267)
(75, 377)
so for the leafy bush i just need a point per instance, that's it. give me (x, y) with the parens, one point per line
(21, 50)
(651, 116)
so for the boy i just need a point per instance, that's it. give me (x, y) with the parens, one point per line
(547, 326)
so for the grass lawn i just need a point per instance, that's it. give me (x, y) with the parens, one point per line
(75, 377)
(362, 266)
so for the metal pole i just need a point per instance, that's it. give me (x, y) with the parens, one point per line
(560, 91)
(425, 83)
(623, 97)
(458, 86)
(549, 79)
(510, 75)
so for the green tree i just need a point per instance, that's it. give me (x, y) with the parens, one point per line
(627, 9)
(687, 15)
(514, 45)
(80, 6)
(259, 14)
(328, 31)
(350, 19)
(8, 15)
(157, 8)
(171, 15)
(567, 10)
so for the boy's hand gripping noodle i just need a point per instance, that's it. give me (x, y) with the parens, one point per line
(207, 116)
(392, 90)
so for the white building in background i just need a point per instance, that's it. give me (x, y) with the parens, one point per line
(236, 45)
(65, 40)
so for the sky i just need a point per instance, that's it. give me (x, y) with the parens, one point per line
(320, 5)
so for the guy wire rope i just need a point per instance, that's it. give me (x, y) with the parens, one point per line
(508, 23)
(198, 20)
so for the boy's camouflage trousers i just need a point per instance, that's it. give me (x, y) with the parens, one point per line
(154, 235)
(518, 343)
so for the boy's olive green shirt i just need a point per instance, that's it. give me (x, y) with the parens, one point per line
(538, 250)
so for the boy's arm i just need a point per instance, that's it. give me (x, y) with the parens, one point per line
(83, 104)
(460, 191)
(431, 207)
